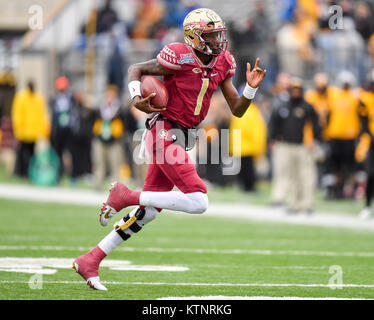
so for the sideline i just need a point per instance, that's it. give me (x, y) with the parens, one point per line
(242, 211)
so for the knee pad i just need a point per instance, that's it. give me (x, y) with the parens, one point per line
(134, 221)
(128, 225)
(150, 214)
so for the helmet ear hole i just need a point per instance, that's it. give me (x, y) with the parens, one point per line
(191, 37)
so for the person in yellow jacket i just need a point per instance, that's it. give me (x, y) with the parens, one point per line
(343, 128)
(252, 141)
(318, 97)
(31, 123)
(367, 111)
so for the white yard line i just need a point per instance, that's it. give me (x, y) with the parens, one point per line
(197, 251)
(36, 265)
(231, 210)
(255, 298)
(52, 194)
(202, 284)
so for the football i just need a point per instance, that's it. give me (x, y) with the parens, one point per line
(151, 84)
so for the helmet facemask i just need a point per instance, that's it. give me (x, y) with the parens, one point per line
(214, 41)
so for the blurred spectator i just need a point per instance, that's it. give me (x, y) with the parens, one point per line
(188, 6)
(324, 14)
(117, 46)
(370, 48)
(31, 124)
(343, 128)
(343, 49)
(252, 142)
(348, 7)
(62, 120)
(116, 69)
(7, 140)
(131, 125)
(294, 45)
(148, 14)
(244, 38)
(174, 14)
(287, 129)
(106, 17)
(319, 99)
(250, 39)
(287, 10)
(108, 130)
(364, 20)
(325, 39)
(367, 103)
(279, 178)
(81, 137)
(350, 53)
(307, 14)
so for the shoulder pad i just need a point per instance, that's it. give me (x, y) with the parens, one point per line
(231, 62)
(173, 55)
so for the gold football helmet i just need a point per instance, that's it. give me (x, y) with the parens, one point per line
(205, 31)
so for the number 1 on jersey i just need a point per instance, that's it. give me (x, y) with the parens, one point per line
(200, 98)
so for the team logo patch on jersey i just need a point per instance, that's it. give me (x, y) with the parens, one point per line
(186, 58)
(299, 112)
(197, 70)
(163, 134)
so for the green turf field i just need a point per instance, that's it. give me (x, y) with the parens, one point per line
(229, 194)
(222, 257)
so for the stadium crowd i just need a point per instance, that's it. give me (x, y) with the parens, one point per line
(311, 125)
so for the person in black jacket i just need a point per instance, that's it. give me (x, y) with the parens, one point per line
(62, 120)
(81, 133)
(286, 129)
(107, 144)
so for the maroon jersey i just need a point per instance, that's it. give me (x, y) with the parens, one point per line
(193, 83)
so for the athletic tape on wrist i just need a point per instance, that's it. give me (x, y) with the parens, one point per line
(134, 88)
(249, 92)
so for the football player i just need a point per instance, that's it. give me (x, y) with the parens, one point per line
(192, 72)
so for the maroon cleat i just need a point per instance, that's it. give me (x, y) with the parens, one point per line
(119, 197)
(87, 266)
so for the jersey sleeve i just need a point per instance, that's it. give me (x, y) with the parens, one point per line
(231, 65)
(168, 58)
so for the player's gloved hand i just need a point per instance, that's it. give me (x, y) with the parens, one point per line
(144, 104)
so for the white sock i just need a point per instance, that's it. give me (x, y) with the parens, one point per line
(110, 242)
(195, 202)
(113, 239)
